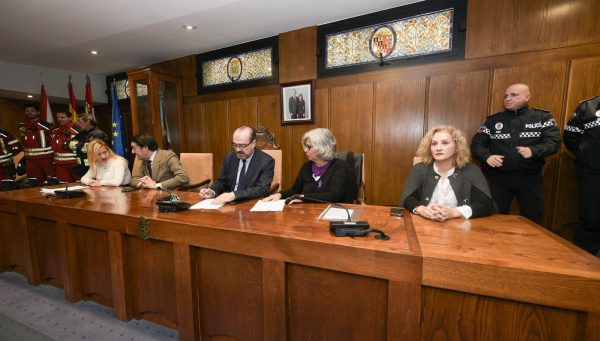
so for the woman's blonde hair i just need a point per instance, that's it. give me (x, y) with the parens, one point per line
(93, 148)
(462, 155)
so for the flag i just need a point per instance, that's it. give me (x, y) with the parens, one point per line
(118, 139)
(72, 101)
(45, 111)
(164, 124)
(89, 101)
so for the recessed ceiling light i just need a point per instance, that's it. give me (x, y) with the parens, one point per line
(189, 27)
(94, 52)
(29, 96)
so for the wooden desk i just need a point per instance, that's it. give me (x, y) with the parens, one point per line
(234, 274)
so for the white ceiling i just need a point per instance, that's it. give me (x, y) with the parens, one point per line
(59, 34)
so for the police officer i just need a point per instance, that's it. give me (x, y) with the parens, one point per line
(582, 138)
(64, 158)
(88, 130)
(9, 147)
(35, 136)
(512, 145)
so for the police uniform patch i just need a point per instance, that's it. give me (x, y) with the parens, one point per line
(499, 126)
(481, 129)
(598, 113)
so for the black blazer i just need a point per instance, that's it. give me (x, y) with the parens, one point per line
(258, 176)
(337, 183)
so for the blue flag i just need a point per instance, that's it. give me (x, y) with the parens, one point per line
(118, 138)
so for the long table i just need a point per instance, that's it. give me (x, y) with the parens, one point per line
(232, 274)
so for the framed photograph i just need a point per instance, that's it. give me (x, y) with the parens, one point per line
(297, 102)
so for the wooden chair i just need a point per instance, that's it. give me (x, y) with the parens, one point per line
(199, 167)
(356, 160)
(277, 155)
(265, 141)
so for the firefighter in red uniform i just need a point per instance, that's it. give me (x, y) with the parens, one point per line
(64, 158)
(35, 135)
(9, 147)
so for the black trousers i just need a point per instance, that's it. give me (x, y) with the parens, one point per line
(587, 233)
(527, 188)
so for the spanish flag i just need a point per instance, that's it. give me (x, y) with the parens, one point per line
(72, 101)
(89, 101)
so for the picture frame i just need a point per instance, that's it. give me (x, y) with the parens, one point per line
(297, 102)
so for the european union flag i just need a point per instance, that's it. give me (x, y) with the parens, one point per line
(118, 138)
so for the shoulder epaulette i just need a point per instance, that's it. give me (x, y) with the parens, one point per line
(585, 100)
(544, 110)
(45, 124)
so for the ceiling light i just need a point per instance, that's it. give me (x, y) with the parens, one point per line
(29, 96)
(94, 52)
(189, 27)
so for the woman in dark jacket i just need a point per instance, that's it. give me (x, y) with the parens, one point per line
(323, 176)
(444, 185)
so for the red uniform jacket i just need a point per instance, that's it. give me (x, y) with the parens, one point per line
(9, 147)
(61, 137)
(36, 139)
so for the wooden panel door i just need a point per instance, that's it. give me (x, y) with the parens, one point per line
(398, 123)
(459, 100)
(351, 120)
(547, 84)
(584, 82)
(215, 116)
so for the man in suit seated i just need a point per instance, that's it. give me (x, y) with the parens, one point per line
(161, 169)
(247, 172)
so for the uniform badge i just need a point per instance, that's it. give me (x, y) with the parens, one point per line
(575, 114)
(598, 113)
(481, 129)
(499, 126)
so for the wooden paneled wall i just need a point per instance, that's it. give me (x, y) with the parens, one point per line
(385, 113)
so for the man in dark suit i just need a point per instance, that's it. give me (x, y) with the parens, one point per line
(246, 173)
(160, 169)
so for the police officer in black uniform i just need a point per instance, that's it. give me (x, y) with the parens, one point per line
(582, 138)
(512, 145)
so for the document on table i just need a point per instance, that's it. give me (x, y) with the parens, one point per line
(71, 188)
(268, 206)
(206, 204)
(335, 213)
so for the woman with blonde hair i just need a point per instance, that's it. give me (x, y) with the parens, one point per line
(106, 167)
(445, 185)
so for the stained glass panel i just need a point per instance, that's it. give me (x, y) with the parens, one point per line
(424, 34)
(238, 68)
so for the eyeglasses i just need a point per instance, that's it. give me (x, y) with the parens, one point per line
(241, 146)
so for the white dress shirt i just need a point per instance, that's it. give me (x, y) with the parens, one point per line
(443, 194)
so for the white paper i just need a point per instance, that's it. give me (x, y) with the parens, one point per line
(206, 204)
(335, 213)
(51, 190)
(268, 206)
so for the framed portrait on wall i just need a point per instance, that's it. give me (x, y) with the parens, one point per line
(297, 102)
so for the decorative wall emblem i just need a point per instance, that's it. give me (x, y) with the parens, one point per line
(234, 68)
(383, 41)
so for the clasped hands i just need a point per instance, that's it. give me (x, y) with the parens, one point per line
(438, 212)
(497, 160)
(146, 182)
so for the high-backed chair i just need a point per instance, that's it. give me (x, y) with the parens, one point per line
(277, 155)
(356, 160)
(265, 141)
(199, 167)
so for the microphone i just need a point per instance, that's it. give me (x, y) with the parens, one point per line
(344, 228)
(66, 194)
(171, 203)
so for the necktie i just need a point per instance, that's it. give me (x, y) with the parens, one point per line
(241, 181)
(149, 164)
